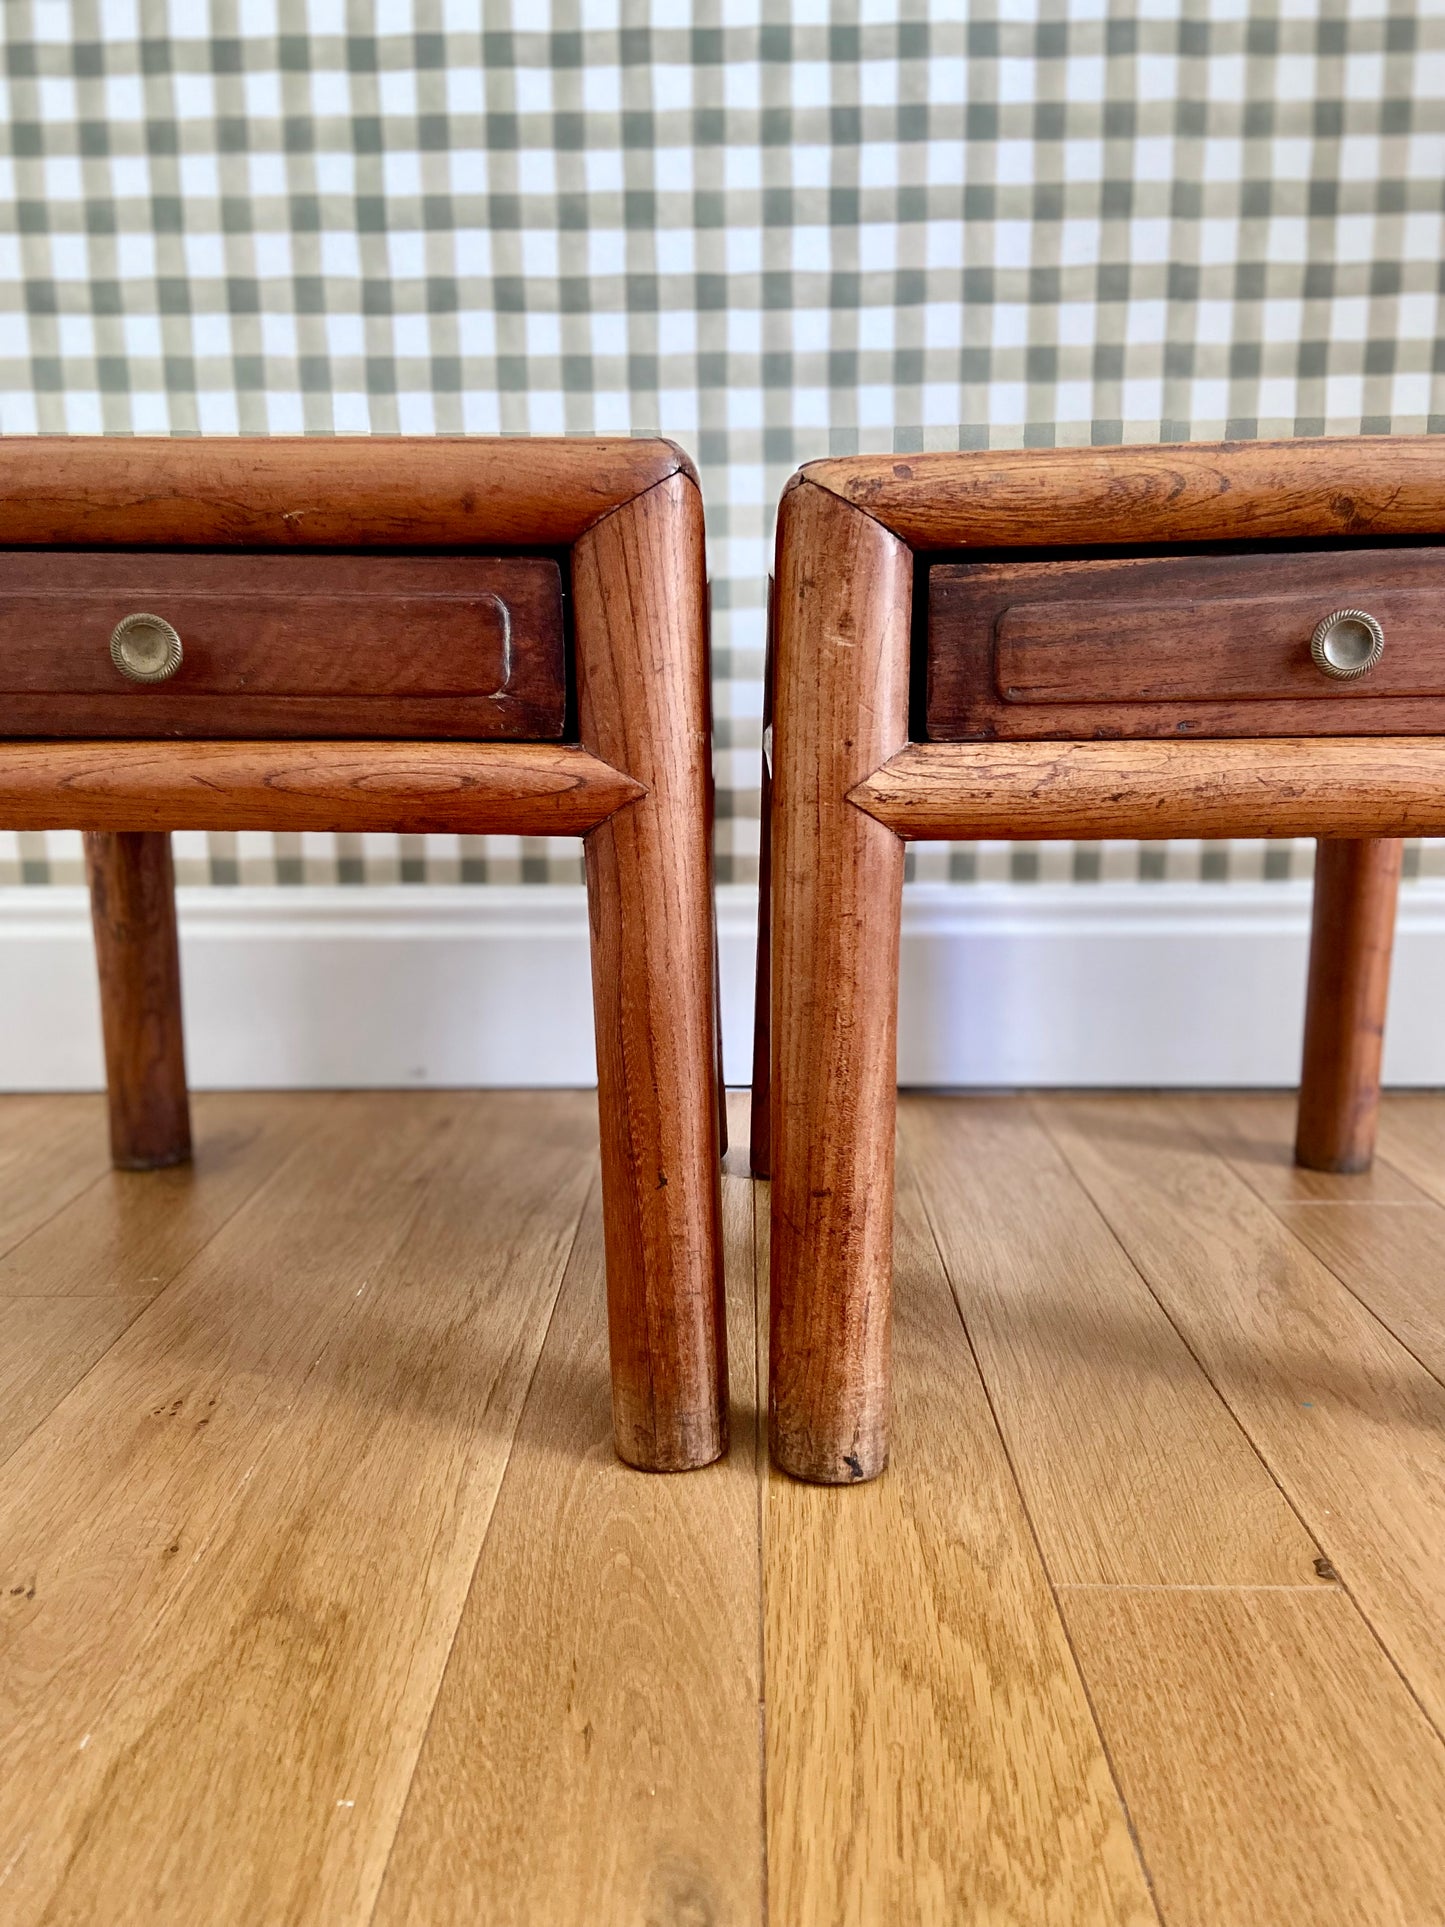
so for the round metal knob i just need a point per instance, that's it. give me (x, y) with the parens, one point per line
(1347, 644)
(145, 648)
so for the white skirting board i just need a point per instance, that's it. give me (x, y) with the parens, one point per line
(1003, 985)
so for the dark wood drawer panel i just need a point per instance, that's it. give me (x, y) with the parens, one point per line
(1217, 645)
(286, 645)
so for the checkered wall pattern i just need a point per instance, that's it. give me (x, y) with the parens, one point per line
(773, 231)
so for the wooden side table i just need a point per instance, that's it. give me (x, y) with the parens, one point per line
(404, 635)
(1210, 641)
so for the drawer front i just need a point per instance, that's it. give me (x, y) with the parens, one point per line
(1216, 645)
(456, 646)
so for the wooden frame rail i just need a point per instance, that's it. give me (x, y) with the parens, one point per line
(1292, 786)
(515, 789)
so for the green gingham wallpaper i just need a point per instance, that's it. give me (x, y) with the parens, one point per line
(770, 230)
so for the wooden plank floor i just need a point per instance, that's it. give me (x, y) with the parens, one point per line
(324, 1602)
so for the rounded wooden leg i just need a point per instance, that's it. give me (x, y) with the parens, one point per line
(133, 907)
(642, 669)
(1356, 887)
(844, 592)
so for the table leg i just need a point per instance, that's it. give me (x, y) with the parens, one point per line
(642, 703)
(133, 907)
(844, 588)
(1356, 888)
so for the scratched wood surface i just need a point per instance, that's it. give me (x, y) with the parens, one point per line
(323, 1599)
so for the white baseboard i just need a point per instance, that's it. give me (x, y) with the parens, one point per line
(1187, 984)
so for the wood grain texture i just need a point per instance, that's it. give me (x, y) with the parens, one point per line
(524, 789)
(1275, 1765)
(1382, 1236)
(137, 954)
(642, 692)
(217, 1635)
(1388, 787)
(388, 646)
(1349, 1422)
(1254, 1132)
(844, 590)
(914, 1661)
(46, 1346)
(1412, 1140)
(127, 1234)
(51, 1149)
(141, 1462)
(1216, 644)
(1392, 1257)
(594, 1751)
(1134, 1470)
(307, 492)
(319, 1597)
(1133, 496)
(1352, 935)
(76, 1282)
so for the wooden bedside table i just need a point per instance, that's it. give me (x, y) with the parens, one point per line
(1113, 642)
(478, 635)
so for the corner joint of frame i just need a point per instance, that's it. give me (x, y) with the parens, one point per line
(681, 469)
(865, 798)
(810, 476)
(625, 791)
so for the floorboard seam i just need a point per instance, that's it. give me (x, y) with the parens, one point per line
(1334, 1204)
(1423, 1203)
(1040, 1112)
(1285, 1494)
(1129, 1585)
(81, 1191)
(177, 1602)
(562, 1270)
(144, 1305)
(1364, 1304)
(1186, 1100)
(1145, 1870)
(1391, 1164)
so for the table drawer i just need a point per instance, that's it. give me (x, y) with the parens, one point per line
(454, 646)
(1218, 645)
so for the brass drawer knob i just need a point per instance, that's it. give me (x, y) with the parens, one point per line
(1347, 644)
(145, 648)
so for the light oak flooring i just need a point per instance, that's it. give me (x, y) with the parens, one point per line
(323, 1600)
